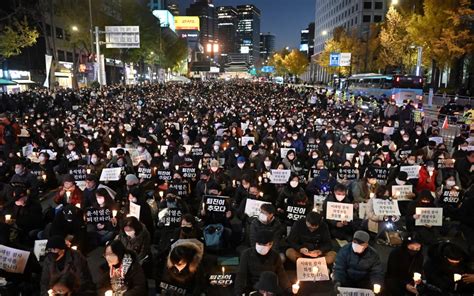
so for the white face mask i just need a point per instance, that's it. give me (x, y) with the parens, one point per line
(130, 233)
(268, 163)
(262, 250)
(241, 164)
(181, 154)
(294, 184)
(180, 268)
(354, 146)
(262, 218)
(450, 183)
(329, 145)
(357, 248)
(94, 160)
(214, 169)
(100, 200)
(366, 143)
(430, 169)
(166, 165)
(167, 143)
(340, 197)
(41, 158)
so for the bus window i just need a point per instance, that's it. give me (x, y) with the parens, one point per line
(408, 82)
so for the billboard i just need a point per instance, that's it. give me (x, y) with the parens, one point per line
(122, 36)
(188, 23)
(166, 19)
(342, 59)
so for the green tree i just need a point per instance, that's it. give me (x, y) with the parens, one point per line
(15, 37)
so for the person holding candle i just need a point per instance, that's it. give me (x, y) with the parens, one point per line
(267, 285)
(69, 193)
(403, 263)
(64, 284)
(445, 261)
(427, 179)
(135, 237)
(426, 234)
(258, 259)
(362, 190)
(342, 230)
(122, 273)
(357, 264)
(62, 260)
(26, 214)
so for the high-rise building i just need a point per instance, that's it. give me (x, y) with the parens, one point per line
(170, 5)
(227, 22)
(267, 45)
(353, 15)
(248, 31)
(307, 40)
(206, 12)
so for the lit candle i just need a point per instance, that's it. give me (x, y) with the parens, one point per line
(88, 171)
(223, 270)
(74, 248)
(176, 167)
(114, 213)
(295, 288)
(330, 153)
(259, 179)
(233, 183)
(8, 217)
(457, 277)
(372, 195)
(78, 205)
(68, 195)
(44, 177)
(261, 194)
(389, 165)
(416, 276)
(109, 293)
(377, 288)
(50, 292)
(161, 193)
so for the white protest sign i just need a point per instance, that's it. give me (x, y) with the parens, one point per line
(411, 170)
(40, 248)
(110, 174)
(401, 192)
(438, 140)
(312, 269)
(362, 210)
(385, 207)
(51, 153)
(279, 176)
(188, 148)
(344, 291)
(163, 149)
(252, 207)
(244, 126)
(131, 151)
(134, 210)
(13, 260)
(245, 140)
(340, 211)
(429, 216)
(284, 151)
(388, 130)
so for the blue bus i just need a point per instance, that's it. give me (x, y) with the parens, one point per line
(396, 87)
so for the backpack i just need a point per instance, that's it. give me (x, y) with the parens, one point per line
(213, 235)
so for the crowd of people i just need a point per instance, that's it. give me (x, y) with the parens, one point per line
(165, 180)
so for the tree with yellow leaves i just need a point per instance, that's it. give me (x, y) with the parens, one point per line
(276, 60)
(443, 32)
(395, 43)
(295, 62)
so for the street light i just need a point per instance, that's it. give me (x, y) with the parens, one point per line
(324, 33)
(75, 28)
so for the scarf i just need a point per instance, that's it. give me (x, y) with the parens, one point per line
(117, 275)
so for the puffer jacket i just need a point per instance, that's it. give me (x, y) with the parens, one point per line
(140, 244)
(351, 267)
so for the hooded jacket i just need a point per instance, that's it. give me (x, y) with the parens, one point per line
(191, 278)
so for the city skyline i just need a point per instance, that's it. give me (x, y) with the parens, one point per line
(287, 33)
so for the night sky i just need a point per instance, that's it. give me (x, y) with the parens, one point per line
(283, 18)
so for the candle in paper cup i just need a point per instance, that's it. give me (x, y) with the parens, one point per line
(78, 205)
(223, 270)
(88, 171)
(109, 293)
(295, 288)
(457, 277)
(259, 179)
(8, 217)
(233, 183)
(50, 292)
(114, 213)
(161, 194)
(416, 276)
(372, 195)
(44, 177)
(74, 248)
(377, 288)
